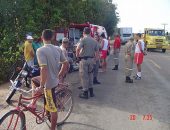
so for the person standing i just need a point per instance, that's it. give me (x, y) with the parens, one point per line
(28, 51)
(129, 59)
(97, 63)
(116, 51)
(139, 54)
(104, 49)
(49, 59)
(37, 43)
(86, 51)
(64, 47)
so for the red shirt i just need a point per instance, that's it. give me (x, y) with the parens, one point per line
(117, 43)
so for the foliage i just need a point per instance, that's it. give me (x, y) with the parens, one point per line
(18, 17)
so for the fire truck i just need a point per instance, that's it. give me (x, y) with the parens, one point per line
(75, 31)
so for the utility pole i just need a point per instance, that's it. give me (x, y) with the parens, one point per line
(164, 24)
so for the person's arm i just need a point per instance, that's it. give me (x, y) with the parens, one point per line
(78, 51)
(79, 47)
(43, 75)
(42, 60)
(102, 45)
(140, 46)
(65, 65)
(63, 70)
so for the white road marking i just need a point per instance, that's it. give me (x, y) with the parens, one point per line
(155, 64)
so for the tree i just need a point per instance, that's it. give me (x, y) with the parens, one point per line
(18, 17)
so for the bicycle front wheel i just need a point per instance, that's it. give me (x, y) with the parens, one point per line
(13, 120)
(64, 101)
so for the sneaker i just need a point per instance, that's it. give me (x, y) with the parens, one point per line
(138, 78)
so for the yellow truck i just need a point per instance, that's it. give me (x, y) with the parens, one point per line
(155, 39)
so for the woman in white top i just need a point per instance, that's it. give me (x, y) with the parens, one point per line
(104, 49)
(139, 54)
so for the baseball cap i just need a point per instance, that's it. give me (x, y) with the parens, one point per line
(64, 40)
(30, 38)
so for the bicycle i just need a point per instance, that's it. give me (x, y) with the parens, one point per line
(63, 96)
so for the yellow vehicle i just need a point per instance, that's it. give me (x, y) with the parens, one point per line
(155, 39)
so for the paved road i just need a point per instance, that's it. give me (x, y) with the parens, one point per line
(116, 103)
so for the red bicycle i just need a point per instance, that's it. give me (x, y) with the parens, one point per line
(15, 119)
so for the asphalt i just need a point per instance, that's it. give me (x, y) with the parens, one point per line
(116, 103)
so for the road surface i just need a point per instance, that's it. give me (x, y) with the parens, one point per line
(143, 105)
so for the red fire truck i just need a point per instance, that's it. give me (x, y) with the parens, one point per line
(75, 31)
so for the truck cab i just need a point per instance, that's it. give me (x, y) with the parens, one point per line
(155, 39)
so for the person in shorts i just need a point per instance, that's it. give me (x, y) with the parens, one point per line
(104, 49)
(139, 54)
(49, 58)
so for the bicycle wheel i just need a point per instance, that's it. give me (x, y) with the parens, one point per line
(13, 120)
(64, 101)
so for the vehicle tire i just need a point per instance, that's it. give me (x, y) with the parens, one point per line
(61, 97)
(6, 123)
(148, 49)
(163, 50)
(10, 95)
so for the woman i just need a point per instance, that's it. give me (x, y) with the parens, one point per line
(104, 49)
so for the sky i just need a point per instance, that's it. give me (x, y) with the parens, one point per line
(140, 14)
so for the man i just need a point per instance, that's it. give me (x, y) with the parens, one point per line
(49, 59)
(28, 51)
(97, 63)
(139, 54)
(87, 52)
(116, 51)
(64, 47)
(129, 57)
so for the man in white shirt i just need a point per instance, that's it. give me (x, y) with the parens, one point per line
(139, 54)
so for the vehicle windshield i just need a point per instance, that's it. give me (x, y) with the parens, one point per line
(126, 35)
(156, 32)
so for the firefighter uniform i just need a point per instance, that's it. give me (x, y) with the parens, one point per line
(129, 57)
(116, 51)
(88, 48)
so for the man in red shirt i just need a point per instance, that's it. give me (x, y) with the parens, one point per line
(116, 51)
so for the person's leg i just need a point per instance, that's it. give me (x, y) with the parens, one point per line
(96, 69)
(102, 60)
(129, 70)
(105, 64)
(84, 79)
(90, 76)
(139, 70)
(54, 117)
(50, 105)
(35, 82)
(116, 60)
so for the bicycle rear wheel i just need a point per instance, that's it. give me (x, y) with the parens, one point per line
(13, 120)
(64, 101)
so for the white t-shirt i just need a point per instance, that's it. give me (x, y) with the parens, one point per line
(105, 44)
(137, 49)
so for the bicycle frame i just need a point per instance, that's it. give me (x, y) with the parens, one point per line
(21, 107)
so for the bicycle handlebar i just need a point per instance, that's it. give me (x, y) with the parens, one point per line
(19, 89)
(28, 91)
